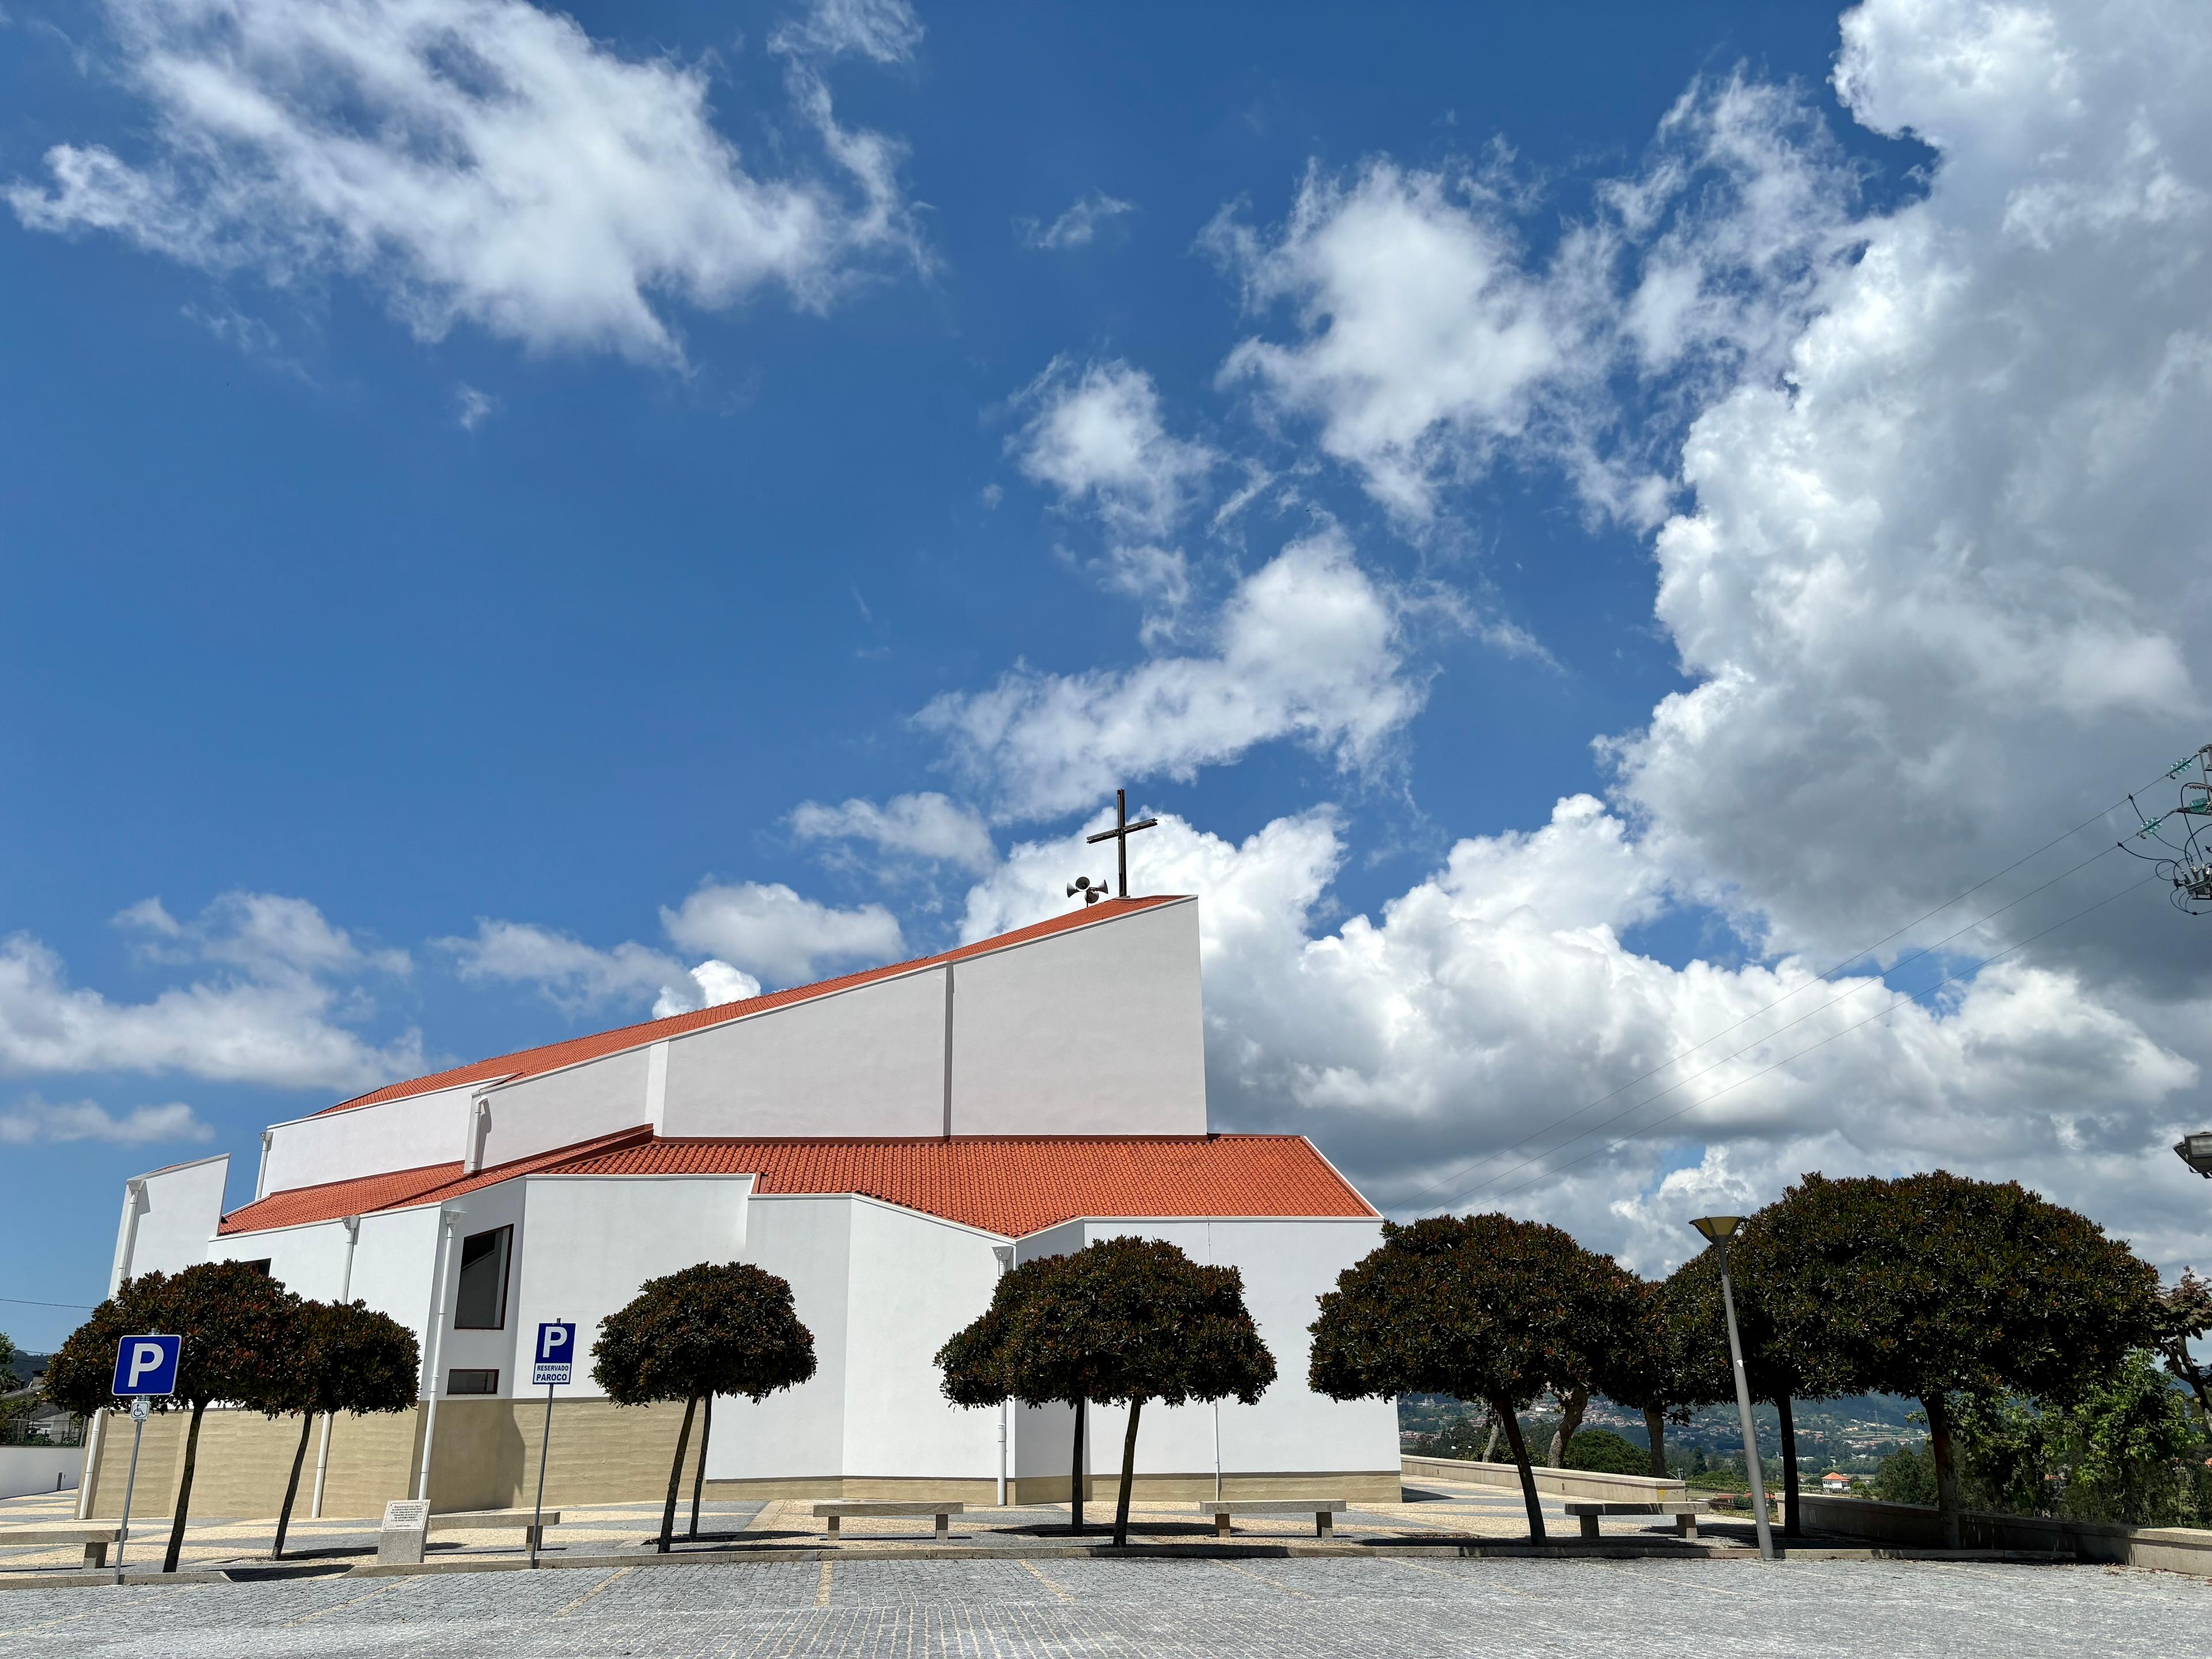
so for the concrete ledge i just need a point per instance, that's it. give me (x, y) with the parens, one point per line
(2170, 1549)
(1561, 1483)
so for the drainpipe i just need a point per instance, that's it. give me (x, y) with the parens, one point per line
(261, 1176)
(345, 1293)
(1005, 1252)
(134, 1205)
(448, 1221)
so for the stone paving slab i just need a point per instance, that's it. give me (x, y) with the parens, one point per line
(1303, 1608)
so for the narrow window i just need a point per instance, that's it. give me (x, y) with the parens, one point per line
(480, 1305)
(473, 1382)
(261, 1267)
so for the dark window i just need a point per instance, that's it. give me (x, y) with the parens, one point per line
(481, 1303)
(260, 1267)
(472, 1382)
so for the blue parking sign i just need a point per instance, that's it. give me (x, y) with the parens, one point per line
(146, 1366)
(556, 1353)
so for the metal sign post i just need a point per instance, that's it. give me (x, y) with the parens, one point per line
(145, 1370)
(556, 1348)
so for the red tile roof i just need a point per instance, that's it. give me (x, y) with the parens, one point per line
(1012, 1185)
(552, 1056)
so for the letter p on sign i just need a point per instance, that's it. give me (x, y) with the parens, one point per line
(146, 1366)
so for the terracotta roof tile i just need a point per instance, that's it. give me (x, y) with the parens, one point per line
(551, 1056)
(1012, 1185)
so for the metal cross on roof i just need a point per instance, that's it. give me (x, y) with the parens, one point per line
(1120, 834)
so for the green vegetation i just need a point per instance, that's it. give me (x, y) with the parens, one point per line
(349, 1359)
(707, 1330)
(1604, 1452)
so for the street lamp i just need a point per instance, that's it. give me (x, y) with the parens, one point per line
(2196, 1150)
(1719, 1229)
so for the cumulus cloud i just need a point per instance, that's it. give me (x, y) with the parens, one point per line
(278, 1011)
(1077, 227)
(1427, 1048)
(926, 826)
(33, 1121)
(1096, 437)
(1942, 588)
(1310, 647)
(1428, 340)
(770, 929)
(471, 160)
(578, 977)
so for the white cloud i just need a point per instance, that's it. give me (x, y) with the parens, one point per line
(886, 31)
(1097, 438)
(1944, 590)
(925, 826)
(1428, 340)
(1078, 227)
(477, 160)
(267, 934)
(1498, 996)
(577, 976)
(1309, 647)
(768, 929)
(472, 408)
(275, 1020)
(32, 1121)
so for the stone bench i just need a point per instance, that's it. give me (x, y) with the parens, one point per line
(499, 1521)
(1324, 1512)
(942, 1510)
(94, 1536)
(1686, 1515)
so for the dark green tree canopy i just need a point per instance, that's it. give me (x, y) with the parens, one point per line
(1647, 1365)
(1791, 1350)
(241, 1332)
(352, 1359)
(728, 1329)
(1932, 1284)
(1123, 1320)
(1479, 1307)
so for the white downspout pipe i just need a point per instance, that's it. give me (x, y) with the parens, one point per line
(345, 1294)
(448, 1221)
(1005, 1252)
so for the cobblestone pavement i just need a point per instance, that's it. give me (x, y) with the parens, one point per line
(1345, 1608)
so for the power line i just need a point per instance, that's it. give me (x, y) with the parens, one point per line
(1714, 1066)
(1437, 1183)
(1791, 1058)
(25, 1302)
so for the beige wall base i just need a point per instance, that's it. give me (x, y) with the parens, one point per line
(486, 1459)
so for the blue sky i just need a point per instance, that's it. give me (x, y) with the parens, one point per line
(467, 595)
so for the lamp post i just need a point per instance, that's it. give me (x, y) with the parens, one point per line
(1719, 1229)
(2196, 1150)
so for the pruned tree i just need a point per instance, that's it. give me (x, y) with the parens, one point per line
(241, 1339)
(1935, 1284)
(1646, 1368)
(707, 1330)
(1126, 1321)
(350, 1358)
(1478, 1307)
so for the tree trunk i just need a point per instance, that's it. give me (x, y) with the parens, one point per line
(292, 1487)
(1654, 1427)
(1938, 1408)
(676, 1474)
(698, 1478)
(1075, 1480)
(1792, 1523)
(1129, 1476)
(1511, 1419)
(1497, 1428)
(184, 1489)
(1572, 1405)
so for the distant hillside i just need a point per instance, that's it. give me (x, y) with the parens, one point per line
(1853, 1434)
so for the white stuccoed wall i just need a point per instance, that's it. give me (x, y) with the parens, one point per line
(364, 1140)
(168, 1218)
(309, 1261)
(394, 1264)
(560, 1108)
(808, 1241)
(1042, 1032)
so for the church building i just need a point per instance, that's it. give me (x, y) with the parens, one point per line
(890, 1142)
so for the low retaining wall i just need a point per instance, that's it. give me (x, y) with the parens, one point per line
(1561, 1483)
(2175, 1549)
(27, 1470)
